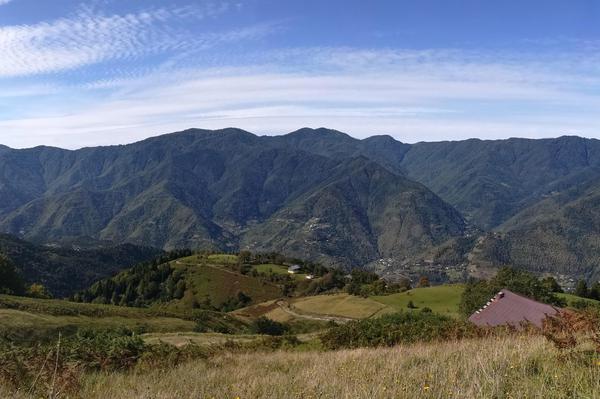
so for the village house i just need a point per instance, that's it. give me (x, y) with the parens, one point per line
(293, 269)
(508, 308)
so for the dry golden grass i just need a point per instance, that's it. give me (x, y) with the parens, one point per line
(509, 367)
(180, 339)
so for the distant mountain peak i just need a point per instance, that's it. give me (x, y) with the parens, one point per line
(319, 132)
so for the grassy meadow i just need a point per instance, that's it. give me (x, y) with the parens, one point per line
(442, 299)
(509, 367)
(570, 298)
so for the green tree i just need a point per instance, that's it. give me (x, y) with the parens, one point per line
(423, 282)
(263, 325)
(10, 281)
(595, 291)
(582, 289)
(38, 291)
(552, 284)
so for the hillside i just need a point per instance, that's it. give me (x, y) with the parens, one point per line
(64, 271)
(489, 181)
(361, 213)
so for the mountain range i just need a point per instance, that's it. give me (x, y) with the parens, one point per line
(318, 194)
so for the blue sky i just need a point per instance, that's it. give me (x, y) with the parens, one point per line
(76, 74)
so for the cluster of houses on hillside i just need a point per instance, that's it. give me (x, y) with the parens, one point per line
(296, 269)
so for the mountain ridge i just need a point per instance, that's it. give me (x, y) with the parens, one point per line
(225, 189)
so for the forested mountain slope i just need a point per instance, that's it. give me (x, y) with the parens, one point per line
(315, 193)
(205, 189)
(64, 270)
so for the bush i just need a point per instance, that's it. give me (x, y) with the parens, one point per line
(59, 366)
(10, 281)
(266, 326)
(389, 330)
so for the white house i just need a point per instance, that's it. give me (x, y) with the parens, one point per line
(293, 269)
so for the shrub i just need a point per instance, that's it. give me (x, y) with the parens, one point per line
(48, 368)
(10, 281)
(389, 330)
(570, 328)
(266, 326)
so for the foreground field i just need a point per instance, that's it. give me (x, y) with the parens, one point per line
(489, 368)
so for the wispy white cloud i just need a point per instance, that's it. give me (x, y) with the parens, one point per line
(3, 2)
(412, 95)
(90, 37)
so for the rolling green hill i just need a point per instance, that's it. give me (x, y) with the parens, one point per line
(181, 284)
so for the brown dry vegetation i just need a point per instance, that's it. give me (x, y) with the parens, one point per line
(501, 367)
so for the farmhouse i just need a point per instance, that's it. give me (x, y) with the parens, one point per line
(508, 308)
(293, 269)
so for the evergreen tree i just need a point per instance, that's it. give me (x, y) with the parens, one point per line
(582, 289)
(595, 291)
(10, 281)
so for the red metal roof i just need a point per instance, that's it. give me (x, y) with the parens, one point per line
(509, 308)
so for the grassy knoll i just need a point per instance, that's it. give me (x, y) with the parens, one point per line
(271, 268)
(443, 299)
(267, 268)
(223, 259)
(479, 368)
(213, 282)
